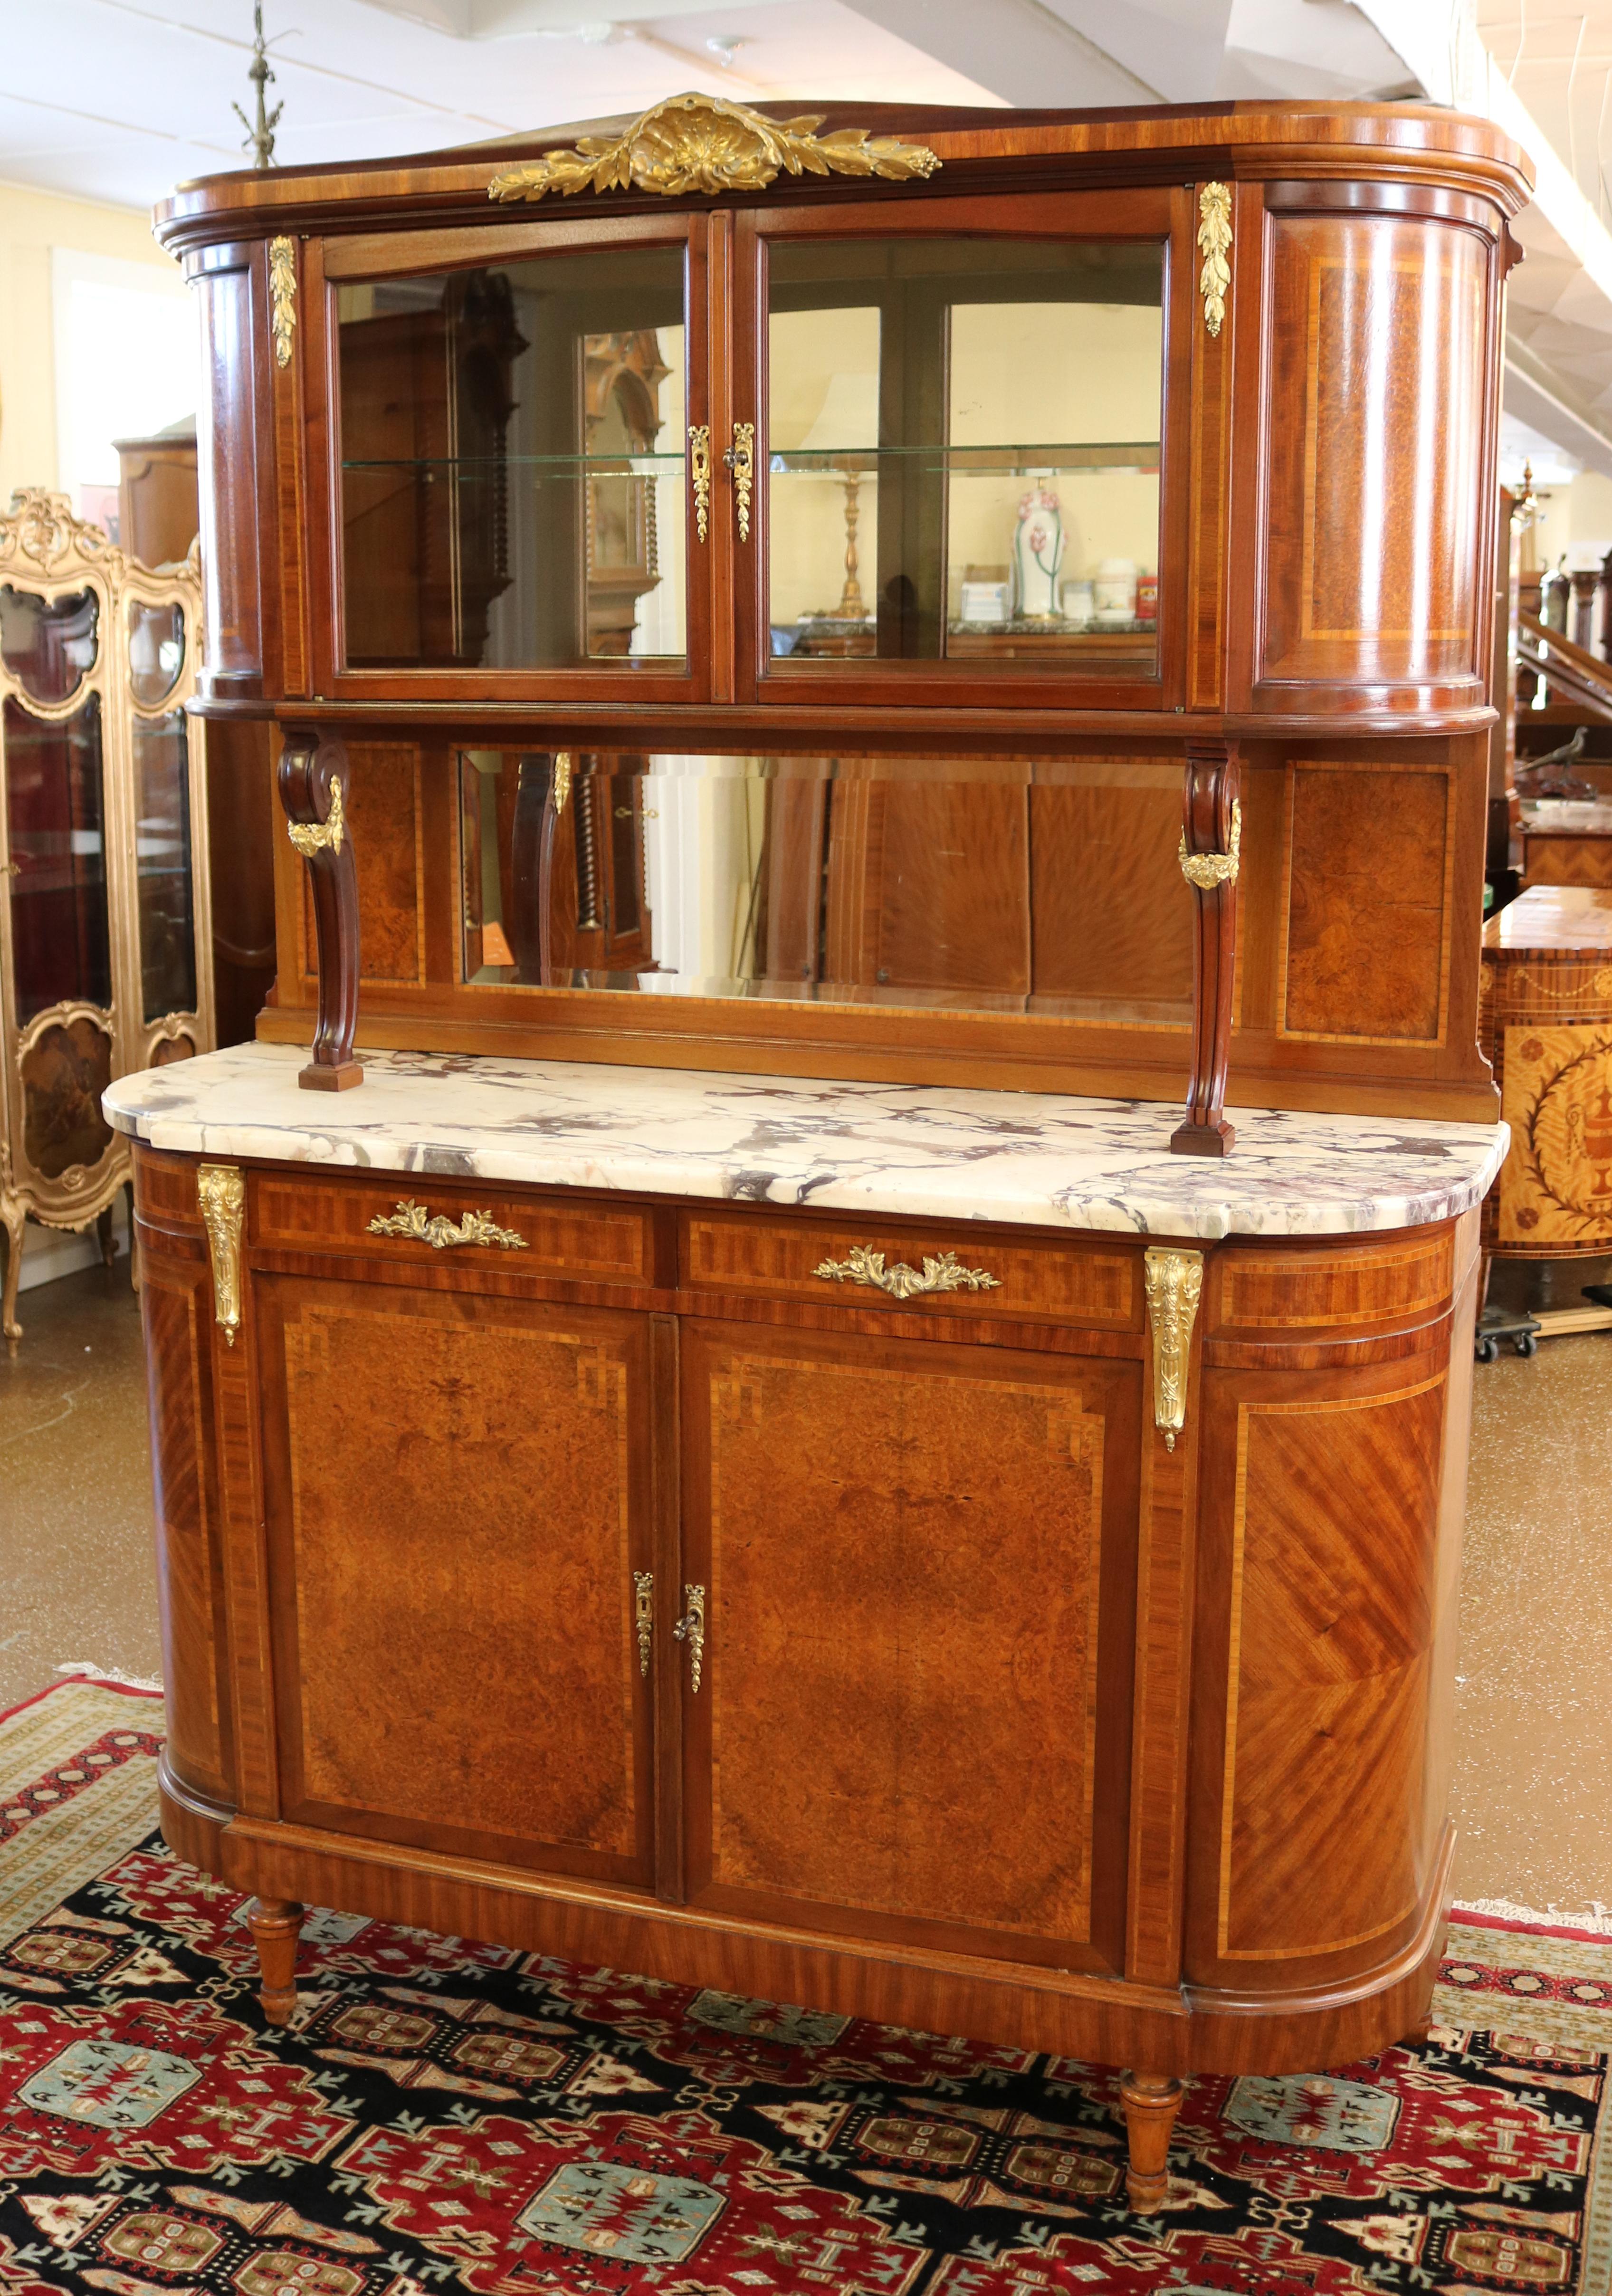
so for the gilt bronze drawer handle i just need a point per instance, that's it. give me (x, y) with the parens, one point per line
(700, 475)
(1173, 1283)
(945, 1274)
(741, 459)
(643, 1615)
(1208, 870)
(221, 1194)
(320, 836)
(412, 1220)
(691, 1629)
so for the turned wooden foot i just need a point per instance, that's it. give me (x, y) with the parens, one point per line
(274, 1924)
(1151, 2102)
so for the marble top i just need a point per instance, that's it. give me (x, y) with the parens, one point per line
(1046, 1160)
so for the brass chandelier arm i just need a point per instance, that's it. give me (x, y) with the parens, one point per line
(945, 1272)
(420, 1226)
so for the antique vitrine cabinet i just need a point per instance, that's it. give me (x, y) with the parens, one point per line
(800, 647)
(105, 959)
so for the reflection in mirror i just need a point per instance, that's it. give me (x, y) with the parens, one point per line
(58, 860)
(512, 465)
(48, 644)
(162, 850)
(156, 650)
(1045, 886)
(963, 452)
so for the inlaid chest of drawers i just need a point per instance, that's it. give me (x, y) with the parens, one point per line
(927, 1555)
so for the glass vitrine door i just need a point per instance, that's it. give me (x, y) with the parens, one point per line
(965, 449)
(518, 441)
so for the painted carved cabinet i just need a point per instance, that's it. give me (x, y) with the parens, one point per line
(105, 951)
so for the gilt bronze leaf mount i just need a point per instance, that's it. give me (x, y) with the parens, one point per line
(704, 143)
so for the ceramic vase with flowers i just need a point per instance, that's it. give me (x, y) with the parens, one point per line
(1038, 548)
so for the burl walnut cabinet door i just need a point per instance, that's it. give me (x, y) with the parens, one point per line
(458, 1496)
(918, 1570)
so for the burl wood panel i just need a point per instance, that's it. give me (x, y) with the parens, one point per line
(1377, 424)
(383, 812)
(1371, 858)
(748, 1252)
(919, 1539)
(457, 1496)
(1333, 1535)
(176, 1307)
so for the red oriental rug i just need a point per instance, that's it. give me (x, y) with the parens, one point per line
(447, 2115)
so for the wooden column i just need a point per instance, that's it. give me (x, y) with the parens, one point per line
(1211, 836)
(313, 784)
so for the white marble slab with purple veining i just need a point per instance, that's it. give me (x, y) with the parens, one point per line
(1043, 1159)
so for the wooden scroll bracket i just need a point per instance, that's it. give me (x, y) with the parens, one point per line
(1210, 842)
(313, 782)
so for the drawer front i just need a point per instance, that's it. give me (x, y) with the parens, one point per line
(1270, 1291)
(412, 1218)
(944, 1270)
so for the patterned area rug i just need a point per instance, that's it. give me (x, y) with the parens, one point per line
(454, 2116)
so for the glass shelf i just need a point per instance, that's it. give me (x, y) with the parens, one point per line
(1026, 461)
(499, 465)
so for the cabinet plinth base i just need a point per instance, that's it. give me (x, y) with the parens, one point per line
(1151, 2102)
(339, 1077)
(275, 1923)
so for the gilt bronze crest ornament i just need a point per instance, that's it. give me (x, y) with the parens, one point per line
(704, 143)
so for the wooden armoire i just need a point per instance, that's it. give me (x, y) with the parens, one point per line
(745, 1412)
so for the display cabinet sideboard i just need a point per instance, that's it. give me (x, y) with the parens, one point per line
(833, 635)
(104, 927)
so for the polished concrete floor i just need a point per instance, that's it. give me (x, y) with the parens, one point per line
(1533, 1754)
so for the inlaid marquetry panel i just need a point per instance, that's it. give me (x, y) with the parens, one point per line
(164, 1188)
(1289, 1290)
(560, 1235)
(1333, 1547)
(1376, 428)
(746, 1252)
(176, 1300)
(917, 1541)
(1366, 906)
(383, 802)
(457, 1496)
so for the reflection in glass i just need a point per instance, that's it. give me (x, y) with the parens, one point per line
(963, 452)
(163, 853)
(512, 465)
(980, 885)
(54, 824)
(48, 644)
(156, 651)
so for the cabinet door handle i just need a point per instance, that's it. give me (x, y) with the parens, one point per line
(643, 1615)
(741, 459)
(700, 475)
(412, 1220)
(691, 1629)
(945, 1274)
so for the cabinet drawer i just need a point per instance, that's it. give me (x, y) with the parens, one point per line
(938, 1270)
(456, 1221)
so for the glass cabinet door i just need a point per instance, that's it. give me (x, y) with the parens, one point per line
(962, 456)
(514, 469)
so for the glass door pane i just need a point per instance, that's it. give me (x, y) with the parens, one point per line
(162, 852)
(514, 464)
(54, 823)
(964, 453)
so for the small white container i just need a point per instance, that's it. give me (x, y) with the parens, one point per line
(1114, 591)
(983, 602)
